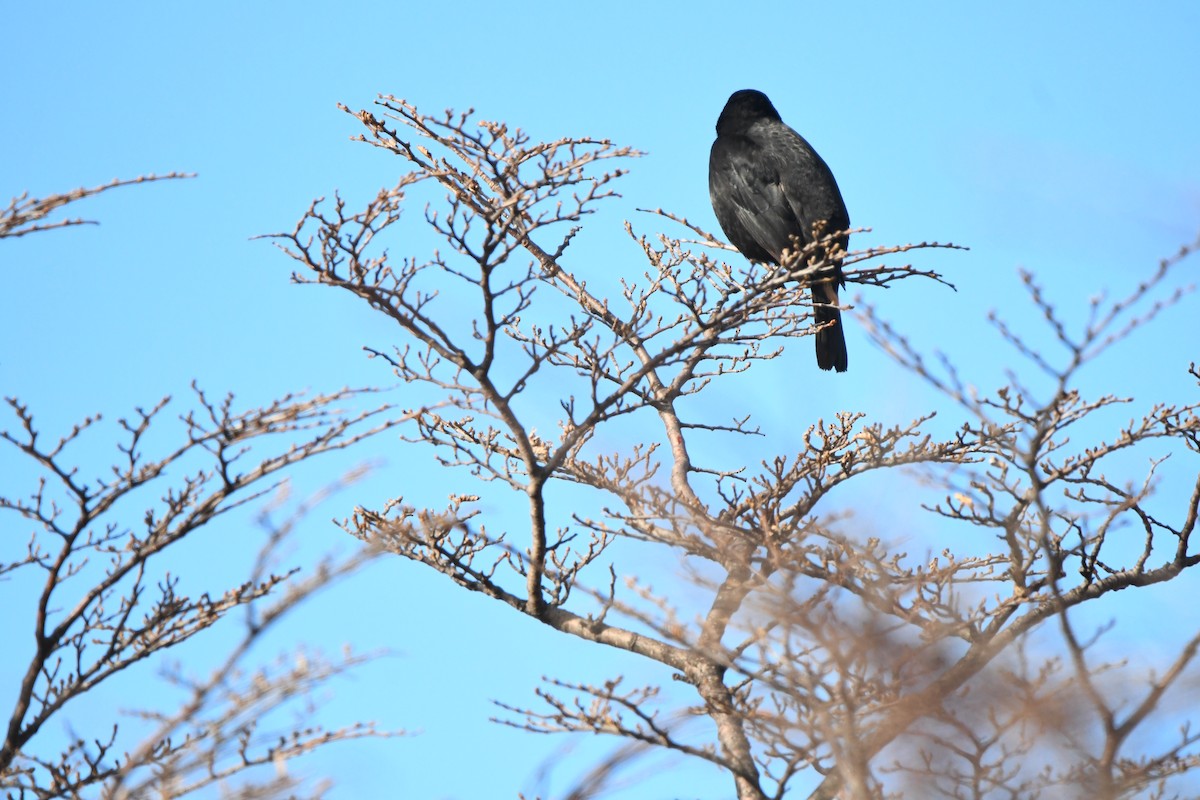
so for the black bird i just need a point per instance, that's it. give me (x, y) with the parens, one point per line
(768, 185)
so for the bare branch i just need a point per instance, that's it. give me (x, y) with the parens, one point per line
(25, 214)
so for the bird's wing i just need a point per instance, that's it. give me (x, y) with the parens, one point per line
(747, 192)
(808, 183)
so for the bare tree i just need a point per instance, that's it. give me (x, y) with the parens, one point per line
(809, 654)
(102, 601)
(825, 659)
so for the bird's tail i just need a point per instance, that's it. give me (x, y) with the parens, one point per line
(831, 339)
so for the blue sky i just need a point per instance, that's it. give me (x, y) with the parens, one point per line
(1058, 137)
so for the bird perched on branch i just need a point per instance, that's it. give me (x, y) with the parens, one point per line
(769, 189)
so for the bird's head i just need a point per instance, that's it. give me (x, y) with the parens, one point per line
(744, 108)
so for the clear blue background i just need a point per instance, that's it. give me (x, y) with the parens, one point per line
(1057, 136)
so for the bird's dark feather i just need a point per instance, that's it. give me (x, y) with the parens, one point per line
(768, 189)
